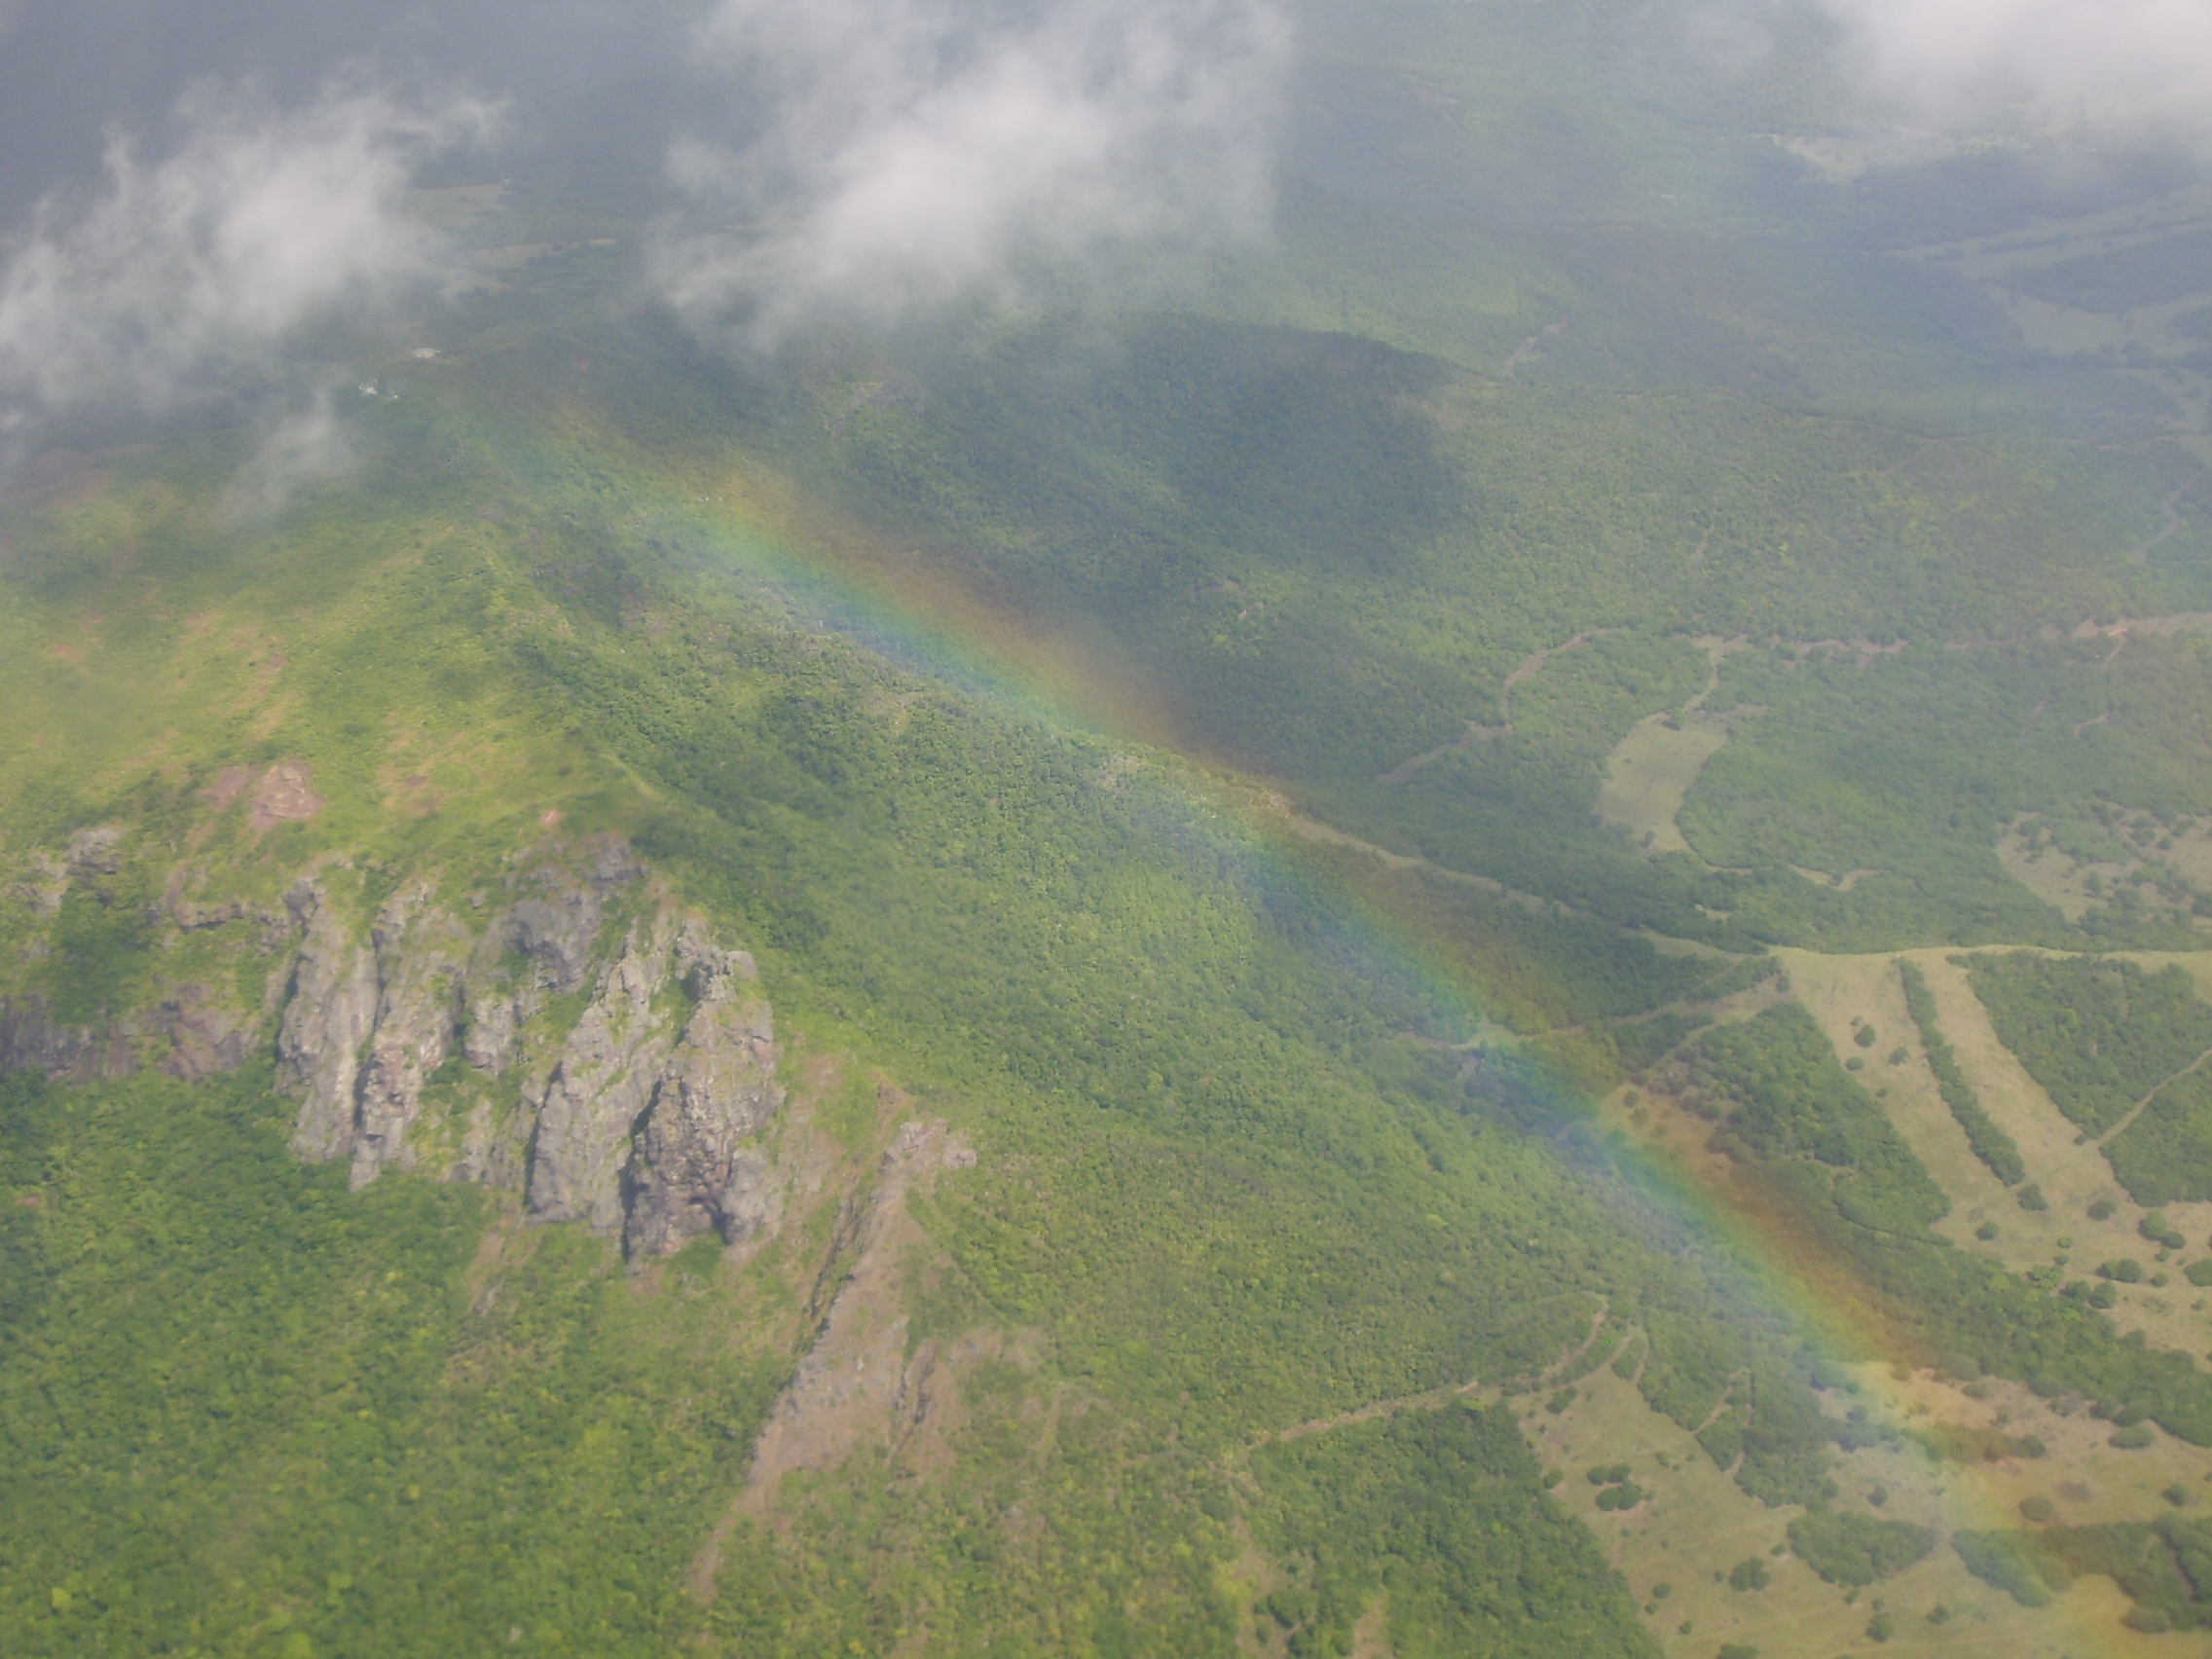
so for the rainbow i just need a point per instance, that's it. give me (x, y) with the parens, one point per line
(853, 579)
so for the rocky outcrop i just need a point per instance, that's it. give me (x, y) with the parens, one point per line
(690, 1169)
(444, 1038)
(600, 1090)
(862, 1381)
(207, 1036)
(328, 1015)
(643, 1118)
(419, 954)
(669, 1071)
(31, 1041)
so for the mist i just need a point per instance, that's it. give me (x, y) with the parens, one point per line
(884, 155)
(2134, 70)
(193, 279)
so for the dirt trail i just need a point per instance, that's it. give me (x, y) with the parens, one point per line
(1313, 830)
(2136, 1111)
(1477, 733)
(1431, 1398)
(2172, 504)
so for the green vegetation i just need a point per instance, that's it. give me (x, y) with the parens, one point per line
(1913, 764)
(2102, 1037)
(1419, 523)
(1990, 1143)
(1828, 1158)
(2098, 1035)
(1857, 1549)
(238, 1400)
(1214, 1177)
(1438, 1510)
(2162, 1564)
(2165, 1156)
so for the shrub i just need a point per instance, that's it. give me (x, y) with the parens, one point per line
(1857, 1549)
(1996, 1558)
(1749, 1573)
(2031, 1198)
(2102, 1210)
(2135, 1438)
(2038, 1508)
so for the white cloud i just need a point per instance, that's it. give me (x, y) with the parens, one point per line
(909, 150)
(191, 278)
(2129, 68)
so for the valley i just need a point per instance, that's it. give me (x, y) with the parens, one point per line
(1419, 866)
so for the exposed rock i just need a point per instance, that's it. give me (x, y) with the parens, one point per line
(205, 1037)
(284, 797)
(641, 1120)
(190, 917)
(688, 1171)
(600, 1088)
(328, 1017)
(31, 1041)
(557, 932)
(858, 1384)
(96, 852)
(418, 950)
(494, 1151)
(556, 935)
(488, 1038)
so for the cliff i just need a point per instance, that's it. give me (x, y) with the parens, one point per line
(572, 1035)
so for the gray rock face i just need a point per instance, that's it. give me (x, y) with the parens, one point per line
(418, 951)
(688, 1171)
(643, 1122)
(96, 853)
(643, 1119)
(327, 1018)
(31, 1041)
(600, 1088)
(487, 1043)
(205, 1037)
(556, 930)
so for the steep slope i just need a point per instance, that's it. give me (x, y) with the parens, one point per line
(374, 1001)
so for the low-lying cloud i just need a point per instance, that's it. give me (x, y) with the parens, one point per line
(894, 153)
(2135, 69)
(194, 278)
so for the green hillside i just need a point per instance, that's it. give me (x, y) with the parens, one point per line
(1119, 975)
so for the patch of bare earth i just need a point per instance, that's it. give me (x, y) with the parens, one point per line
(284, 795)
